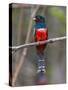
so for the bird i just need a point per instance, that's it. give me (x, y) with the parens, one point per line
(40, 34)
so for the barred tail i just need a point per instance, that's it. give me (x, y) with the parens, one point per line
(40, 61)
(41, 73)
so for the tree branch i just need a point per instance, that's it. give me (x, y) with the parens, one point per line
(37, 43)
(24, 52)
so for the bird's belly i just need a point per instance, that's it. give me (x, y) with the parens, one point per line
(41, 34)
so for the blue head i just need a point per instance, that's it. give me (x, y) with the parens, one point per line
(39, 22)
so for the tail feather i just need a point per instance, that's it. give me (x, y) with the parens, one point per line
(40, 61)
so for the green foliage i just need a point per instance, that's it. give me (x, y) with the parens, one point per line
(58, 13)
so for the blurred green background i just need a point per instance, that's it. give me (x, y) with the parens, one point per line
(55, 53)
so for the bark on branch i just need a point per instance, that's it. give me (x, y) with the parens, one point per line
(37, 43)
(24, 52)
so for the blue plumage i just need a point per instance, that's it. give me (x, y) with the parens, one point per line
(40, 22)
(40, 25)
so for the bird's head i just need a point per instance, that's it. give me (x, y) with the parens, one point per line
(39, 18)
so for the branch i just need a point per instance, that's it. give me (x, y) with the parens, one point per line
(24, 52)
(37, 43)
